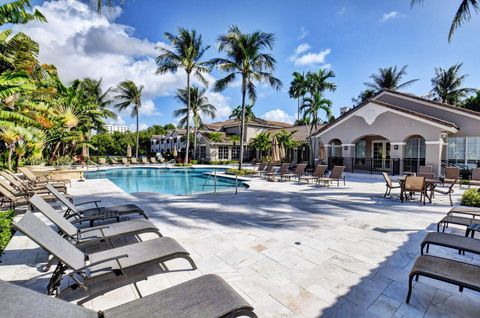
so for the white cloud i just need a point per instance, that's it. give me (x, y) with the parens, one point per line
(312, 58)
(148, 108)
(342, 10)
(390, 16)
(222, 103)
(303, 33)
(141, 126)
(279, 115)
(82, 43)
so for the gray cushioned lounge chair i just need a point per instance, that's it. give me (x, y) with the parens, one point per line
(461, 243)
(98, 213)
(335, 175)
(457, 220)
(99, 272)
(22, 185)
(207, 296)
(81, 237)
(36, 180)
(319, 172)
(465, 210)
(454, 272)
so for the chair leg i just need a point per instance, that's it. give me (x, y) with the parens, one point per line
(410, 279)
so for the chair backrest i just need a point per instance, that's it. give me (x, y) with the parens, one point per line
(8, 187)
(17, 301)
(270, 167)
(153, 160)
(12, 180)
(414, 183)
(113, 160)
(475, 174)
(452, 172)
(133, 160)
(262, 166)
(425, 169)
(300, 168)
(102, 161)
(28, 174)
(387, 178)
(124, 160)
(62, 198)
(319, 170)
(50, 240)
(283, 168)
(144, 160)
(7, 194)
(337, 172)
(56, 218)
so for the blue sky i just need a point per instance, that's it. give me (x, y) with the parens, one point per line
(354, 38)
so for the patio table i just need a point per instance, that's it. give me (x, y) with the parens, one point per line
(430, 184)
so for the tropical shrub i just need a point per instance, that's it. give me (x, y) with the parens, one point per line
(63, 161)
(6, 229)
(243, 172)
(471, 197)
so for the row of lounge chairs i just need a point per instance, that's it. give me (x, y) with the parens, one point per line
(111, 267)
(127, 161)
(318, 175)
(459, 273)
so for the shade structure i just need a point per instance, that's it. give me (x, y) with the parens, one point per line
(322, 154)
(129, 151)
(175, 152)
(282, 152)
(275, 150)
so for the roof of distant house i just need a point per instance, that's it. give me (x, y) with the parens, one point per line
(300, 133)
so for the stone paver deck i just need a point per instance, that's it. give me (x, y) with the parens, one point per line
(291, 250)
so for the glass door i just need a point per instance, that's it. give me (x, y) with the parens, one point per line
(381, 155)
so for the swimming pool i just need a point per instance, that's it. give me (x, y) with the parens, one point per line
(163, 180)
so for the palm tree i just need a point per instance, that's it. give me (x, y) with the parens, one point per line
(298, 89)
(363, 96)
(199, 106)
(311, 107)
(389, 78)
(127, 95)
(245, 58)
(319, 82)
(285, 139)
(15, 12)
(10, 136)
(261, 142)
(447, 85)
(186, 54)
(237, 113)
(473, 102)
(462, 15)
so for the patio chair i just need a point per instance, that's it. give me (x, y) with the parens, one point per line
(36, 180)
(97, 213)
(299, 170)
(102, 161)
(335, 175)
(114, 161)
(457, 273)
(268, 169)
(448, 191)
(389, 184)
(461, 243)
(144, 160)
(125, 161)
(207, 296)
(10, 191)
(473, 211)
(412, 185)
(452, 175)
(475, 177)
(11, 200)
(425, 171)
(22, 185)
(134, 161)
(153, 160)
(281, 171)
(261, 167)
(457, 220)
(100, 272)
(319, 172)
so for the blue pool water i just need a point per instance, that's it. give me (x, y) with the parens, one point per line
(162, 180)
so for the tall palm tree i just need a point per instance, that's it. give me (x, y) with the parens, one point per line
(318, 82)
(447, 85)
(462, 15)
(246, 58)
(364, 95)
(15, 12)
(128, 94)
(389, 78)
(237, 113)
(311, 108)
(298, 89)
(199, 106)
(187, 52)
(10, 136)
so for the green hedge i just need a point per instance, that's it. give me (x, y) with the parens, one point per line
(6, 229)
(471, 197)
(243, 172)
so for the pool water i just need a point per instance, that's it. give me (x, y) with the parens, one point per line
(163, 180)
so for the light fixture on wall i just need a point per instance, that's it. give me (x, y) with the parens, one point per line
(345, 147)
(444, 137)
(395, 147)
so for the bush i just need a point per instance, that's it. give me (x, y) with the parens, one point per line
(180, 164)
(194, 162)
(6, 229)
(63, 161)
(471, 197)
(243, 172)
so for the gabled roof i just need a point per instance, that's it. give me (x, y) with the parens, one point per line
(301, 133)
(423, 100)
(253, 122)
(394, 108)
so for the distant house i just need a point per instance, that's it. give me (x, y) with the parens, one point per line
(166, 143)
(301, 152)
(398, 132)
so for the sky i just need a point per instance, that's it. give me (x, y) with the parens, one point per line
(351, 37)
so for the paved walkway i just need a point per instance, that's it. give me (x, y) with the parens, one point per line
(291, 250)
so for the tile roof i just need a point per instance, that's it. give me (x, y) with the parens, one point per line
(301, 133)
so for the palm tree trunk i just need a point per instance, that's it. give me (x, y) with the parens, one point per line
(298, 109)
(311, 145)
(194, 155)
(10, 152)
(242, 124)
(138, 138)
(187, 147)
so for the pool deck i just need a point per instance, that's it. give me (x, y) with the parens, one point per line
(291, 250)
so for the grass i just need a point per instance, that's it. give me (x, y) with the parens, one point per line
(6, 229)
